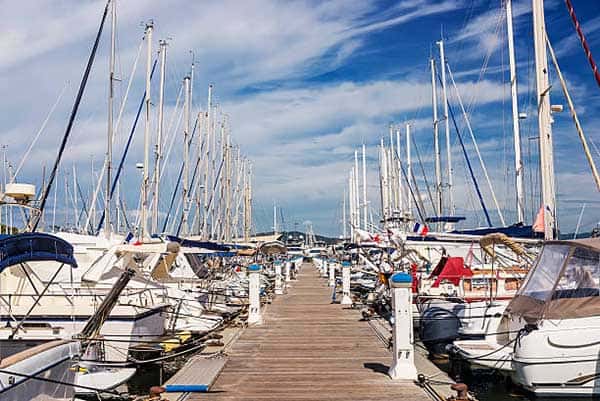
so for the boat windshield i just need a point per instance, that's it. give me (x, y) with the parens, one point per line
(544, 274)
(564, 283)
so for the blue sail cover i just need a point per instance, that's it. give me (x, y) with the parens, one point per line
(33, 247)
(211, 246)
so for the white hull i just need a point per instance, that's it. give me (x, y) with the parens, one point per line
(50, 361)
(561, 358)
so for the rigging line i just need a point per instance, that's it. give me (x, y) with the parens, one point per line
(578, 126)
(63, 145)
(195, 170)
(470, 129)
(429, 194)
(126, 150)
(479, 195)
(175, 191)
(418, 202)
(84, 207)
(116, 129)
(586, 47)
(39, 133)
(59, 382)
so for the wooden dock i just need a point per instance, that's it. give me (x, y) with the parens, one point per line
(309, 349)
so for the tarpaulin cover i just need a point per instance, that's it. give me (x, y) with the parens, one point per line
(451, 269)
(31, 247)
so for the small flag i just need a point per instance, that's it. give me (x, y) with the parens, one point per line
(538, 225)
(420, 229)
(128, 238)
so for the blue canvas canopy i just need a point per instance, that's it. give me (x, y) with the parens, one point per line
(33, 247)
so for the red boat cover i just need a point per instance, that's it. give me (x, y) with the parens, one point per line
(451, 269)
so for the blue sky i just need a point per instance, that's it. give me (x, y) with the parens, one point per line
(304, 84)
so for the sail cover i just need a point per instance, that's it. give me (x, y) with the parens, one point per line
(33, 247)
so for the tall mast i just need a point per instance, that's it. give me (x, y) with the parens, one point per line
(364, 179)
(145, 189)
(357, 190)
(398, 168)
(436, 139)
(186, 155)
(544, 120)
(351, 200)
(111, 91)
(408, 170)
(383, 165)
(207, 166)
(158, 156)
(447, 128)
(515, 115)
(274, 218)
(247, 202)
(344, 232)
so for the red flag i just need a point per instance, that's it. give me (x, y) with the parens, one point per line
(539, 225)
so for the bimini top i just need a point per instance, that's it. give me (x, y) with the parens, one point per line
(562, 284)
(273, 248)
(33, 247)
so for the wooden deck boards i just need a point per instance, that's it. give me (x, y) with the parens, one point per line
(309, 349)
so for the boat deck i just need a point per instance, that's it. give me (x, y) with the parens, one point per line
(308, 349)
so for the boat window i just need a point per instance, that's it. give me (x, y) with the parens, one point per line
(543, 276)
(581, 276)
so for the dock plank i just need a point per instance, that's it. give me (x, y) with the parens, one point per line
(309, 349)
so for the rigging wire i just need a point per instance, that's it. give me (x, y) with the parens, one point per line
(63, 145)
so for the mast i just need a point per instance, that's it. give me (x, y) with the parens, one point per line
(207, 166)
(436, 139)
(248, 204)
(144, 212)
(186, 155)
(351, 200)
(158, 156)
(274, 218)
(544, 120)
(364, 179)
(357, 190)
(515, 115)
(447, 130)
(398, 168)
(344, 232)
(111, 91)
(408, 169)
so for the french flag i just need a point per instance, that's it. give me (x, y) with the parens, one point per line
(420, 229)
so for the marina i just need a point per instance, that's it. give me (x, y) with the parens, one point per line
(296, 200)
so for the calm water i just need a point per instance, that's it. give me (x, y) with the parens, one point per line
(488, 386)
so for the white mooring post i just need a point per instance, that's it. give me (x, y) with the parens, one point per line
(288, 268)
(324, 268)
(346, 299)
(403, 366)
(278, 279)
(254, 316)
(331, 265)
